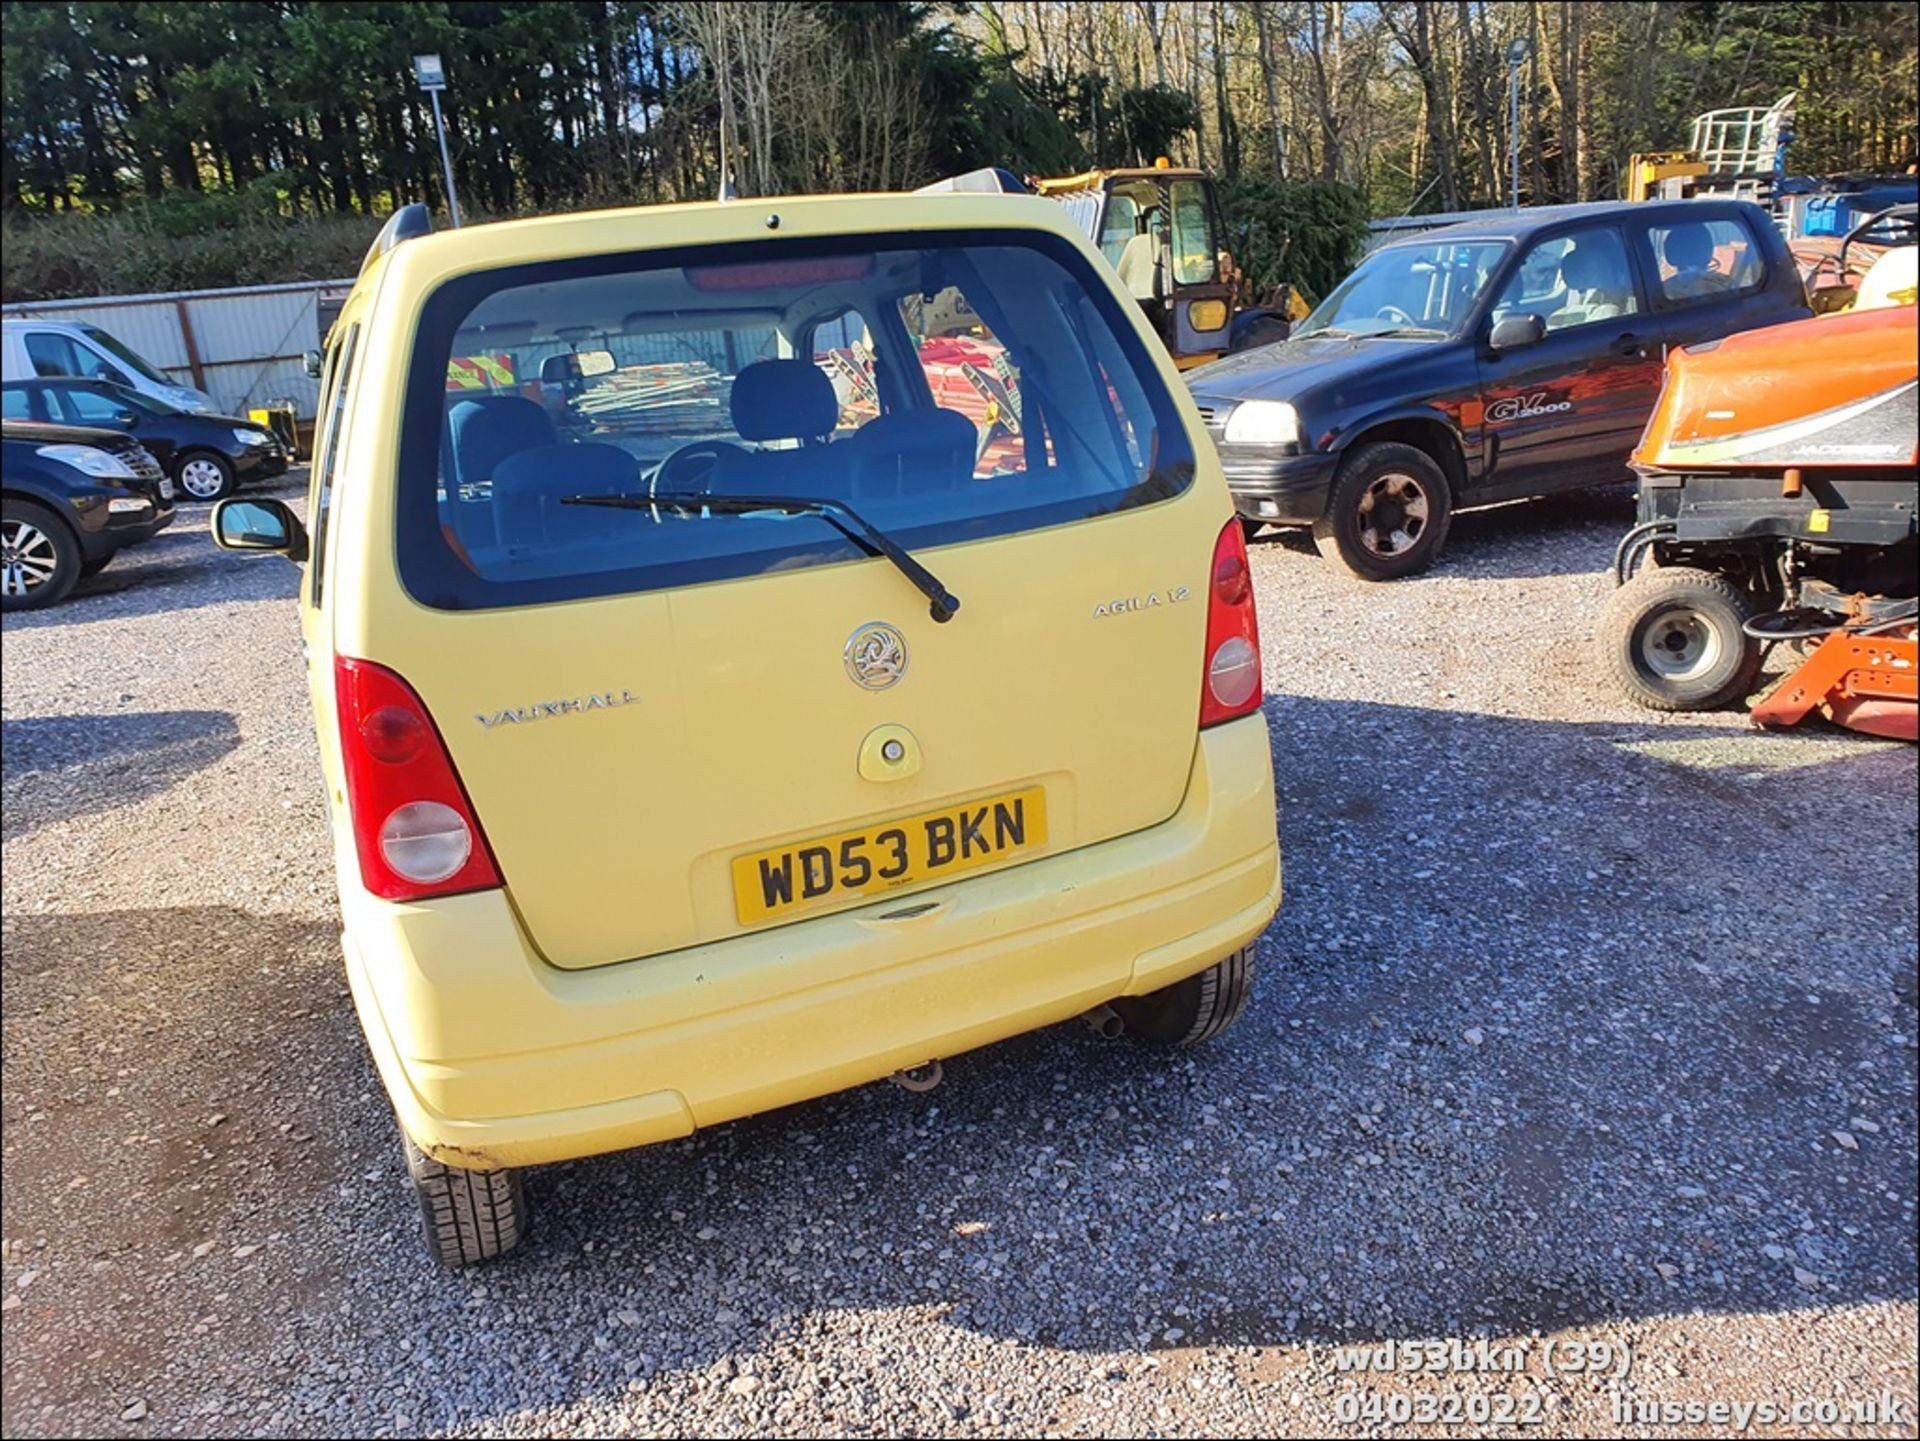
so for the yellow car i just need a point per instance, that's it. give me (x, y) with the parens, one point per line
(759, 648)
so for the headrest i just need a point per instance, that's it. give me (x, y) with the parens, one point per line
(488, 428)
(783, 400)
(1584, 267)
(1688, 247)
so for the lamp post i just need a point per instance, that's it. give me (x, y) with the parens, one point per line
(1517, 53)
(433, 79)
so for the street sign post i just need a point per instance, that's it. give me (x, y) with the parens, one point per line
(1517, 54)
(433, 79)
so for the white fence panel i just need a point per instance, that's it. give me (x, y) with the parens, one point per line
(243, 347)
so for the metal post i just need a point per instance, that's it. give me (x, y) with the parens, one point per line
(446, 162)
(1517, 52)
(1513, 133)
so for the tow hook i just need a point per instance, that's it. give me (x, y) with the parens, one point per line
(919, 1079)
(1106, 1022)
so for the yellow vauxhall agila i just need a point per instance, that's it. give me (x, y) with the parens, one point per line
(759, 648)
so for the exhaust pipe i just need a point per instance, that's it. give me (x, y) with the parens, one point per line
(1105, 1022)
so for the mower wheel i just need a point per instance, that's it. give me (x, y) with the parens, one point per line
(1673, 639)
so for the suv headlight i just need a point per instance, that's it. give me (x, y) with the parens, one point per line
(1263, 422)
(252, 437)
(90, 460)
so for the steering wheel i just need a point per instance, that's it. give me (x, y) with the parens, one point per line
(1395, 314)
(698, 460)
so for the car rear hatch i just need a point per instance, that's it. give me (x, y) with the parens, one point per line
(678, 726)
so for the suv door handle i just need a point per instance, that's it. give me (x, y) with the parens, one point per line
(1631, 345)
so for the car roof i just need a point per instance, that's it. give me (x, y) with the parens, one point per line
(426, 259)
(1524, 223)
(68, 434)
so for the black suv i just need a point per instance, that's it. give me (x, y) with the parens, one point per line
(1515, 355)
(207, 455)
(71, 498)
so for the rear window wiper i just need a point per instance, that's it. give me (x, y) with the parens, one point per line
(943, 603)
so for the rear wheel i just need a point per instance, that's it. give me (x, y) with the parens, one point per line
(1388, 513)
(205, 476)
(1194, 1010)
(467, 1216)
(1674, 640)
(39, 556)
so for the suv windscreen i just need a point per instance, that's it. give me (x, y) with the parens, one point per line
(125, 356)
(951, 389)
(1409, 287)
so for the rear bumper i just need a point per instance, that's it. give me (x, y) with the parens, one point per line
(1282, 489)
(494, 1058)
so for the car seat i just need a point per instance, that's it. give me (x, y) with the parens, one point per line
(1594, 289)
(484, 430)
(1688, 249)
(779, 400)
(530, 485)
(912, 452)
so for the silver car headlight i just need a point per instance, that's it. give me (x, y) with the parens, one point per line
(90, 460)
(1263, 422)
(252, 437)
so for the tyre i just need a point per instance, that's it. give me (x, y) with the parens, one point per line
(1673, 639)
(466, 1216)
(203, 475)
(1194, 1010)
(1388, 512)
(39, 556)
(97, 564)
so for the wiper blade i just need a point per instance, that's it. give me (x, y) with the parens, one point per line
(1412, 330)
(943, 603)
(1327, 332)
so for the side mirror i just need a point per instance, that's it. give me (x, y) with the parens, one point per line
(310, 362)
(268, 525)
(1517, 332)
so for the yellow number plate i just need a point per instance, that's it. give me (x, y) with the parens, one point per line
(774, 884)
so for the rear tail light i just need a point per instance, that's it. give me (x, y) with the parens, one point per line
(413, 826)
(1231, 687)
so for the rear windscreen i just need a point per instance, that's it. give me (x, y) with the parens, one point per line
(948, 390)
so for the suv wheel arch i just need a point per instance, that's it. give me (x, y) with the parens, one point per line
(1424, 433)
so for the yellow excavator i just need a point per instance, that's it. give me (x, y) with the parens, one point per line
(1159, 227)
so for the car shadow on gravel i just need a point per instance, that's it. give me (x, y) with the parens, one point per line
(1561, 1025)
(58, 767)
(1549, 536)
(179, 569)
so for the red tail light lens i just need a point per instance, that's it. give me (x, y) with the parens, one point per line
(1231, 687)
(413, 826)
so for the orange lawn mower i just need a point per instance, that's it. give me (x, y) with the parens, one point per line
(1779, 480)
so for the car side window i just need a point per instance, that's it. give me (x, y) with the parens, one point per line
(1572, 280)
(1700, 260)
(86, 407)
(326, 464)
(14, 405)
(52, 354)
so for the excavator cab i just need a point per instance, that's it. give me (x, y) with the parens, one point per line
(1159, 227)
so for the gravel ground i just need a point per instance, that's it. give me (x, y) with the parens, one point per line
(1579, 1026)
